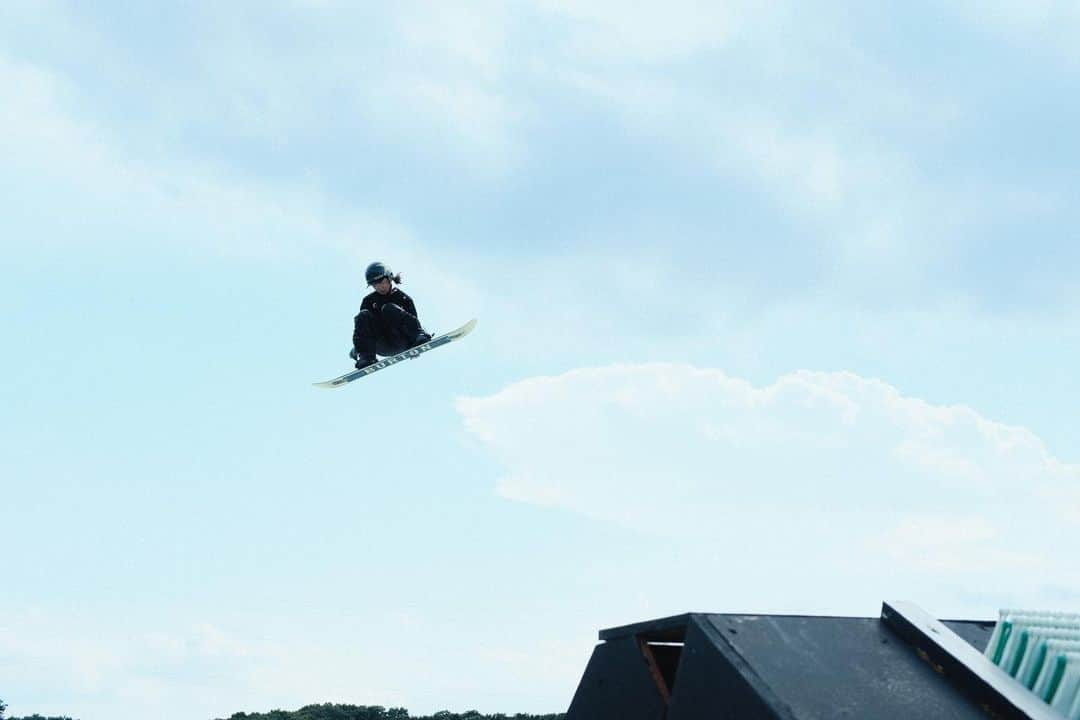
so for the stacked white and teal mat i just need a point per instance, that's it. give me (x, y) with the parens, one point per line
(1042, 651)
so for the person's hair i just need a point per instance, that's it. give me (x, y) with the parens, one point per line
(396, 278)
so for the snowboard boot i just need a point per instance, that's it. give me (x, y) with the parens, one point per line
(421, 337)
(362, 361)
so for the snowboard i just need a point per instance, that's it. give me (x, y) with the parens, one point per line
(410, 354)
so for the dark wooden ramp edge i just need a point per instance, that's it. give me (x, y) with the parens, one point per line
(945, 651)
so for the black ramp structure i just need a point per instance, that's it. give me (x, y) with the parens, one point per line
(716, 683)
(702, 666)
(617, 677)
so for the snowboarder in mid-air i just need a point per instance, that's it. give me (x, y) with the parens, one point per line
(388, 323)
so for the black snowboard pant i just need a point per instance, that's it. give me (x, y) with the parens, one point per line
(386, 332)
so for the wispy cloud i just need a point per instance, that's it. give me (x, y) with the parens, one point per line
(805, 114)
(62, 664)
(1046, 27)
(116, 196)
(695, 455)
(647, 32)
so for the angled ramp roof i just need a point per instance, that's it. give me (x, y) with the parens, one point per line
(788, 667)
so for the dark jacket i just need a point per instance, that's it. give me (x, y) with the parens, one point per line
(374, 332)
(374, 302)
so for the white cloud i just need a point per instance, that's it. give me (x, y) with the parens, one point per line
(646, 31)
(108, 188)
(1042, 26)
(432, 78)
(429, 81)
(960, 544)
(802, 109)
(846, 468)
(787, 105)
(115, 195)
(68, 663)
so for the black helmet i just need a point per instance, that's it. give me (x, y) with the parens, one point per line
(376, 271)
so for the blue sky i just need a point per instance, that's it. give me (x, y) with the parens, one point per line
(778, 313)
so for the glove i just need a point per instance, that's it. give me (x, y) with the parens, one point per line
(353, 354)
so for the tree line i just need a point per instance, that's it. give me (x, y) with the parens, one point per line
(328, 711)
(35, 716)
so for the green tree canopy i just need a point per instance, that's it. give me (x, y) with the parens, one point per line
(328, 711)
